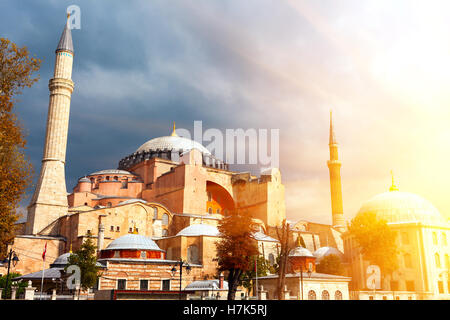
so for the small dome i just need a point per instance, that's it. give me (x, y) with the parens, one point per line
(326, 251)
(300, 252)
(172, 143)
(133, 242)
(62, 260)
(111, 171)
(199, 230)
(396, 207)
(84, 179)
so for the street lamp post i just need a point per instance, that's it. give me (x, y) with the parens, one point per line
(8, 260)
(174, 270)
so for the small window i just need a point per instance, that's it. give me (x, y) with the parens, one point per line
(143, 254)
(444, 239)
(116, 254)
(271, 259)
(165, 284)
(130, 230)
(384, 297)
(121, 284)
(338, 295)
(397, 298)
(109, 205)
(218, 211)
(435, 241)
(311, 295)
(437, 260)
(164, 232)
(143, 284)
(325, 295)
(410, 285)
(370, 297)
(155, 213)
(117, 229)
(441, 286)
(447, 264)
(112, 228)
(210, 211)
(165, 219)
(209, 196)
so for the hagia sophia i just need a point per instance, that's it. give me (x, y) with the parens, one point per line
(155, 209)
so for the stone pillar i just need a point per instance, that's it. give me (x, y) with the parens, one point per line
(286, 293)
(101, 236)
(13, 293)
(29, 291)
(1, 291)
(262, 294)
(54, 294)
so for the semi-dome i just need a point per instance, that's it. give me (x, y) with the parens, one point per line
(84, 179)
(326, 251)
(133, 242)
(174, 143)
(300, 252)
(199, 230)
(397, 207)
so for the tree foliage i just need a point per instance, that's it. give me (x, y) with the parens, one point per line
(235, 249)
(330, 264)
(85, 259)
(262, 269)
(6, 294)
(375, 240)
(16, 73)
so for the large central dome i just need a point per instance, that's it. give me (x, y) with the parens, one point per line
(398, 207)
(174, 143)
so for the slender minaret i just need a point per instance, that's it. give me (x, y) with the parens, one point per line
(49, 201)
(334, 165)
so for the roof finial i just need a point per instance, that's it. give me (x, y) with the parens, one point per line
(70, 249)
(393, 186)
(332, 137)
(174, 134)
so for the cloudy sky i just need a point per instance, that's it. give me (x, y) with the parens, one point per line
(383, 67)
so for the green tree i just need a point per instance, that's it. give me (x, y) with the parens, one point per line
(85, 259)
(16, 73)
(330, 264)
(6, 294)
(235, 249)
(376, 241)
(262, 268)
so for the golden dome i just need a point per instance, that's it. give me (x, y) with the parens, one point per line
(402, 207)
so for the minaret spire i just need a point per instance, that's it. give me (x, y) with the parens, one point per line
(393, 186)
(334, 166)
(174, 134)
(49, 201)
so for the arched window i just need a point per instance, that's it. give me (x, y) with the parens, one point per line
(311, 295)
(155, 213)
(209, 196)
(407, 260)
(325, 295)
(435, 241)
(164, 232)
(165, 219)
(437, 260)
(447, 264)
(109, 204)
(107, 178)
(218, 210)
(192, 254)
(338, 295)
(271, 259)
(210, 210)
(444, 239)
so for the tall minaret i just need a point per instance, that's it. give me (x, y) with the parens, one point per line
(334, 165)
(49, 201)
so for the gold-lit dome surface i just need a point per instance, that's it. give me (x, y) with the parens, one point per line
(397, 207)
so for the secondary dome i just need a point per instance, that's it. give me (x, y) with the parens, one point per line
(300, 252)
(62, 260)
(326, 251)
(174, 143)
(199, 230)
(133, 242)
(396, 207)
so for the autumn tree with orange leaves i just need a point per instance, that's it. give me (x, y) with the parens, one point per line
(236, 249)
(16, 73)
